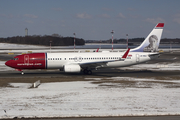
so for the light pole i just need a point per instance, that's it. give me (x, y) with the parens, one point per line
(127, 40)
(50, 45)
(170, 47)
(112, 39)
(74, 40)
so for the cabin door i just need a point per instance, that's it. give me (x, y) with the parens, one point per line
(26, 59)
(137, 57)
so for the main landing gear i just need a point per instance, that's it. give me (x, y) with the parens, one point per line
(87, 72)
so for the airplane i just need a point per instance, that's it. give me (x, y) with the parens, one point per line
(86, 62)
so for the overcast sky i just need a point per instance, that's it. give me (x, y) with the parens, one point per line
(89, 19)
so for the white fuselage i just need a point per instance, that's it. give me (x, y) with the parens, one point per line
(58, 60)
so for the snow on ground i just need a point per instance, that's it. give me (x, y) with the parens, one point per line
(16, 46)
(83, 98)
(154, 67)
(8, 47)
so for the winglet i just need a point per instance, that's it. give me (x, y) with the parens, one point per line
(126, 54)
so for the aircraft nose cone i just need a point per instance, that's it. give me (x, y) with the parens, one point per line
(8, 63)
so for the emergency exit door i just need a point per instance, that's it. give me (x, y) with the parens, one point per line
(137, 57)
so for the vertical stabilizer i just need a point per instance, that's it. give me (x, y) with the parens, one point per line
(151, 43)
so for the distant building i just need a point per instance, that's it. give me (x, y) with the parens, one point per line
(26, 32)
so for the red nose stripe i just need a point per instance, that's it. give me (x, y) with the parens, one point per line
(37, 61)
(28, 61)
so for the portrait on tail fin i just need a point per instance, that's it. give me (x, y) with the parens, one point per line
(152, 47)
(151, 42)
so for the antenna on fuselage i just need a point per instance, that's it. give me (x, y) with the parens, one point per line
(127, 40)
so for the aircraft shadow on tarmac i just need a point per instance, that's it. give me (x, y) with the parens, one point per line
(98, 73)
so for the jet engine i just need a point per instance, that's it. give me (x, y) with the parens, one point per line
(72, 68)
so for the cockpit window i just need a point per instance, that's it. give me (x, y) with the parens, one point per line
(15, 58)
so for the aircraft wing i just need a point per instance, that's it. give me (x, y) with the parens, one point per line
(102, 63)
(94, 64)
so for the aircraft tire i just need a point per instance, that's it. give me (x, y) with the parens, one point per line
(85, 71)
(89, 72)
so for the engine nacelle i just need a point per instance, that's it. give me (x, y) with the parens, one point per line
(72, 68)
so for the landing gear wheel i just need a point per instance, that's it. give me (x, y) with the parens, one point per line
(89, 72)
(85, 71)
